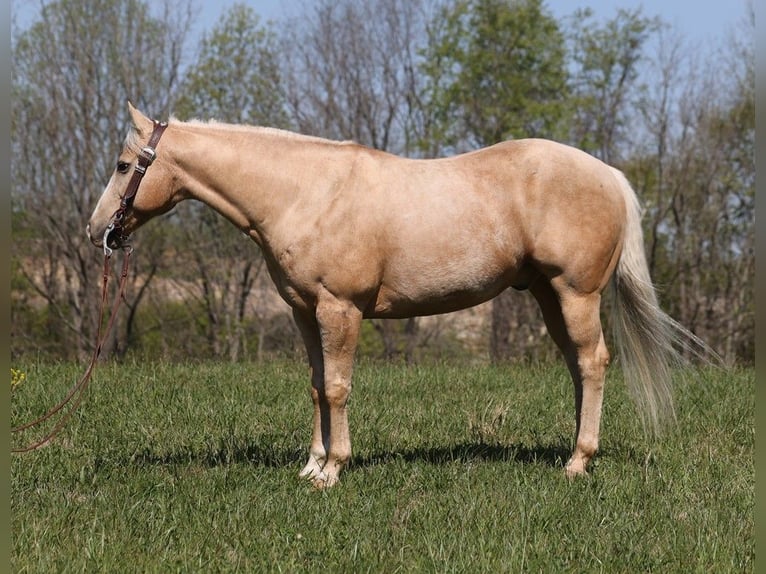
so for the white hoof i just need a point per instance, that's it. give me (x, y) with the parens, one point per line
(574, 469)
(313, 468)
(324, 480)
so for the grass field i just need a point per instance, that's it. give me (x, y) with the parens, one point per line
(456, 468)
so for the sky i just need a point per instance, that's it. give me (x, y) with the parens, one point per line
(701, 21)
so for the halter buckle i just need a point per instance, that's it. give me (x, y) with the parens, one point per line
(150, 154)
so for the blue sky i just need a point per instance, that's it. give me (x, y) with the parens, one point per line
(701, 21)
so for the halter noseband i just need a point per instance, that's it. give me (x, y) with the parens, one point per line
(146, 157)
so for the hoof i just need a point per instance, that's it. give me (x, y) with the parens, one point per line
(323, 480)
(318, 477)
(575, 469)
(313, 468)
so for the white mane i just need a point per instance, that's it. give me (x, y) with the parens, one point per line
(134, 143)
(285, 134)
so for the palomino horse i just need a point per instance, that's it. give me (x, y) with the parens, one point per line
(349, 233)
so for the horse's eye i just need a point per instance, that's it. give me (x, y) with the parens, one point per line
(123, 166)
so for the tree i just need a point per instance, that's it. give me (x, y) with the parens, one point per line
(351, 75)
(696, 176)
(497, 70)
(73, 71)
(604, 73)
(235, 79)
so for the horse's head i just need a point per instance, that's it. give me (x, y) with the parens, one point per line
(135, 192)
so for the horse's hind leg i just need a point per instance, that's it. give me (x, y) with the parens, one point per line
(574, 324)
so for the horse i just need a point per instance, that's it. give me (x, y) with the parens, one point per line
(349, 232)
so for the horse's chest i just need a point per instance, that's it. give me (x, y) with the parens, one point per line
(288, 282)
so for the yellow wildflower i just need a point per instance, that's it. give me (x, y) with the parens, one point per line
(17, 377)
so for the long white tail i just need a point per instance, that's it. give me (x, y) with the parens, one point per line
(648, 341)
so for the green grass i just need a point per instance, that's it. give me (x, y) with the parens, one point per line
(456, 468)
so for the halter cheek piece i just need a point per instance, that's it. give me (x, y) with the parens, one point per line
(145, 158)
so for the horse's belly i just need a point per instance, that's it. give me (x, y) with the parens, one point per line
(387, 307)
(433, 290)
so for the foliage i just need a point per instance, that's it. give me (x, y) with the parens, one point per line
(695, 174)
(160, 322)
(605, 60)
(496, 70)
(456, 467)
(236, 77)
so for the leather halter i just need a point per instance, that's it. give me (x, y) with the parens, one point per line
(146, 157)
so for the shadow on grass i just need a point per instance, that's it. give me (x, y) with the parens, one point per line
(222, 455)
(275, 456)
(552, 455)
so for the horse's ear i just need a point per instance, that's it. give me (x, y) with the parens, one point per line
(141, 123)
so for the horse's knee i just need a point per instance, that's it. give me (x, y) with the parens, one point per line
(336, 393)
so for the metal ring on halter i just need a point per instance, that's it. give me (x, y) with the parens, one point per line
(105, 240)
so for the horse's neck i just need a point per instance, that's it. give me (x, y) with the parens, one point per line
(250, 176)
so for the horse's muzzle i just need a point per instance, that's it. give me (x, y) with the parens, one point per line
(94, 239)
(114, 237)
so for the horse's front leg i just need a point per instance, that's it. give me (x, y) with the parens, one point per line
(320, 435)
(339, 323)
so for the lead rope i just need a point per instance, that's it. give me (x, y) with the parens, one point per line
(79, 387)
